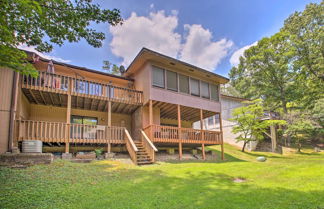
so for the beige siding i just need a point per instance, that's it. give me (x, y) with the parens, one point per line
(143, 81)
(6, 80)
(58, 114)
(184, 124)
(23, 107)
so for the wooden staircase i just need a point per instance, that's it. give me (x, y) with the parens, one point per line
(143, 158)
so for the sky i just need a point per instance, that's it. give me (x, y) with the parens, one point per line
(210, 34)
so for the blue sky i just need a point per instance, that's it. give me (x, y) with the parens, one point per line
(204, 33)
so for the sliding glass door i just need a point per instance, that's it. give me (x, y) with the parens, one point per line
(86, 128)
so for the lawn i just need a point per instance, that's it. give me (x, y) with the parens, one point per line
(289, 181)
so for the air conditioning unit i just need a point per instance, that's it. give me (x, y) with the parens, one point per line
(32, 146)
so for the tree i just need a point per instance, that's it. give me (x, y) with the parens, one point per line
(264, 72)
(42, 23)
(249, 123)
(112, 68)
(300, 130)
(305, 30)
(229, 90)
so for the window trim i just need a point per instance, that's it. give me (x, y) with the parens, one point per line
(217, 89)
(180, 74)
(208, 86)
(164, 77)
(177, 80)
(198, 87)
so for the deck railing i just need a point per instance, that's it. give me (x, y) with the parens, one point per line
(60, 83)
(131, 147)
(171, 134)
(148, 146)
(63, 132)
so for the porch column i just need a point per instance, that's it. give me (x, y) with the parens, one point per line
(68, 117)
(202, 134)
(109, 125)
(179, 131)
(150, 112)
(221, 131)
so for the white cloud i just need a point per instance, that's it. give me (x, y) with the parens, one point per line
(152, 6)
(46, 56)
(156, 32)
(199, 49)
(235, 58)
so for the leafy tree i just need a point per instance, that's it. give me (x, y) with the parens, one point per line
(229, 90)
(249, 123)
(300, 130)
(42, 23)
(306, 36)
(112, 68)
(264, 72)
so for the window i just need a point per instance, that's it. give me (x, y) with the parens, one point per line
(210, 121)
(158, 77)
(204, 89)
(89, 131)
(214, 92)
(184, 84)
(194, 87)
(172, 80)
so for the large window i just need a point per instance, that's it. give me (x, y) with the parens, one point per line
(214, 92)
(158, 77)
(172, 80)
(194, 87)
(204, 89)
(85, 132)
(184, 84)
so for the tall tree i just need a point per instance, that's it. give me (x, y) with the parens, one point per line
(42, 23)
(306, 36)
(264, 72)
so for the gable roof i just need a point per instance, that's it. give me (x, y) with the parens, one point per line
(29, 53)
(147, 54)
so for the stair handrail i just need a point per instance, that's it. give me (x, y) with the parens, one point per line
(148, 146)
(149, 141)
(131, 147)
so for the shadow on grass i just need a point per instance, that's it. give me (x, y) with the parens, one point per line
(308, 153)
(228, 158)
(268, 155)
(91, 186)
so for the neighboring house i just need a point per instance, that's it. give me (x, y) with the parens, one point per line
(229, 103)
(153, 105)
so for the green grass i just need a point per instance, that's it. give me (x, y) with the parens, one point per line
(289, 181)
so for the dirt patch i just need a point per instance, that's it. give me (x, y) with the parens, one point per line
(239, 180)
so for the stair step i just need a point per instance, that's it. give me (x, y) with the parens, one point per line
(144, 163)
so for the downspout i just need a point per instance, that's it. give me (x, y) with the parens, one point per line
(13, 109)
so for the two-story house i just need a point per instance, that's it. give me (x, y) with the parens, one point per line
(153, 104)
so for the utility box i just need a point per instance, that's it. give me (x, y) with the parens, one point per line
(32, 146)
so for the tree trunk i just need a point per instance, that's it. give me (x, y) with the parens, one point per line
(299, 147)
(243, 148)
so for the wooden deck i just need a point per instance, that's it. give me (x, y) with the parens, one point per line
(52, 89)
(68, 133)
(169, 134)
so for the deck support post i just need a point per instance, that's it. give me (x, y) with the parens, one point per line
(68, 117)
(109, 125)
(150, 112)
(180, 150)
(221, 132)
(202, 124)
(203, 151)
(179, 131)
